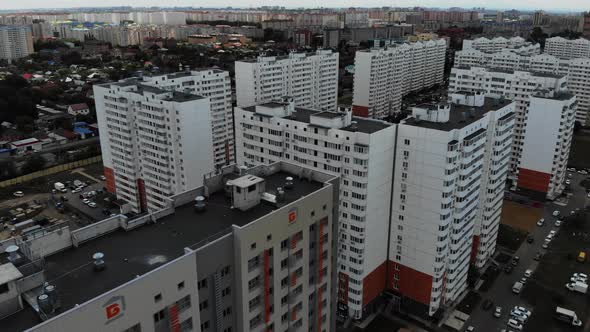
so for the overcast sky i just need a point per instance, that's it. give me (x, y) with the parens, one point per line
(570, 5)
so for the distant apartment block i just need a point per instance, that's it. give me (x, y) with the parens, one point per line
(16, 42)
(358, 150)
(494, 45)
(567, 48)
(562, 56)
(234, 254)
(450, 168)
(518, 86)
(310, 79)
(384, 75)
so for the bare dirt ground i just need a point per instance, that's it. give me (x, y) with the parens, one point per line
(520, 216)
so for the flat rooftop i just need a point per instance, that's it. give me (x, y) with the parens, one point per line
(145, 87)
(460, 115)
(136, 252)
(510, 71)
(362, 125)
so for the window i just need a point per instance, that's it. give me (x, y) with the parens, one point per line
(187, 325)
(203, 305)
(158, 298)
(183, 303)
(225, 271)
(205, 325)
(227, 311)
(226, 291)
(134, 328)
(406, 141)
(202, 284)
(180, 285)
(158, 316)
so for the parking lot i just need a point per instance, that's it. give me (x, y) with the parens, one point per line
(39, 193)
(545, 289)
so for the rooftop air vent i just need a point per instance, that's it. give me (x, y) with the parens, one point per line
(288, 182)
(99, 263)
(13, 256)
(200, 204)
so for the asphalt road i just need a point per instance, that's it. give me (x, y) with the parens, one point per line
(501, 291)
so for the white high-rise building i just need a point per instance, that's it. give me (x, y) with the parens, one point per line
(567, 48)
(450, 168)
(384, 75)
(546, 146)
(216, 85)
(16, 41)
(310, 79)
(518, 86)
(562, 56)
(515, 44)
(155, 142)
(361, 152)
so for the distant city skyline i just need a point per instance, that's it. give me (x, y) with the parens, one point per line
(565, 5)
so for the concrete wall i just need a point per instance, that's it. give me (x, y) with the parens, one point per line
(91, 231)
(51, 242)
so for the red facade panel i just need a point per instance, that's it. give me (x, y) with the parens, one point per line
(374, 283)
(362, 111)
(411, 283)
(266, 286)
(533, 180)
(474, 248)
(110, 180)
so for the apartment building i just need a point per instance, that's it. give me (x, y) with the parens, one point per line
(216, 85)
(241, 257)
(516, 44)
(384, 75)
(546, 146)
(567, 48)
(155, 143)
(450, 168)
(16, 41)
(514, 85)
(576, 69)
(310, 79)
(357, 149)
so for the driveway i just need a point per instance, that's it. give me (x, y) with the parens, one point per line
(501, 291)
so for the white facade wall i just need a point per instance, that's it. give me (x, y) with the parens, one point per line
(363, 160)
(515, 85)
(550, 125)
(154, 145)
(384, 75)
(310, 79)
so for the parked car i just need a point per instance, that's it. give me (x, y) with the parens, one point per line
(18, 194)
(556, 213)
(522, 310)
(487, 304)
(557, 223)
(541, 222)
(92, 204)
(545, 245)
(498, 312)
(581, 257)
(581, 275)
(85, 201)
(102, 177)
(530, 239)
(528, 273)
(538, 256)
(514, 324)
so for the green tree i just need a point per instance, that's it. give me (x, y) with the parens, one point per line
(33, 164)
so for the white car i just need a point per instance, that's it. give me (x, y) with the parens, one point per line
(557, 223)
(580, 275)
(545, 245)
(588, 195)
(541, 221)
(584, 172)
(77, 190)
(568, 182)
(569, 175)
(552, 232)
(92, 204)
(470, 329)
(528, 273)
(102, 177)
(18, 194)
(556, 213)
(85, 201)
(578, 279)
(572, 169)
(514, 324)
(549, 237)
(523, 310)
